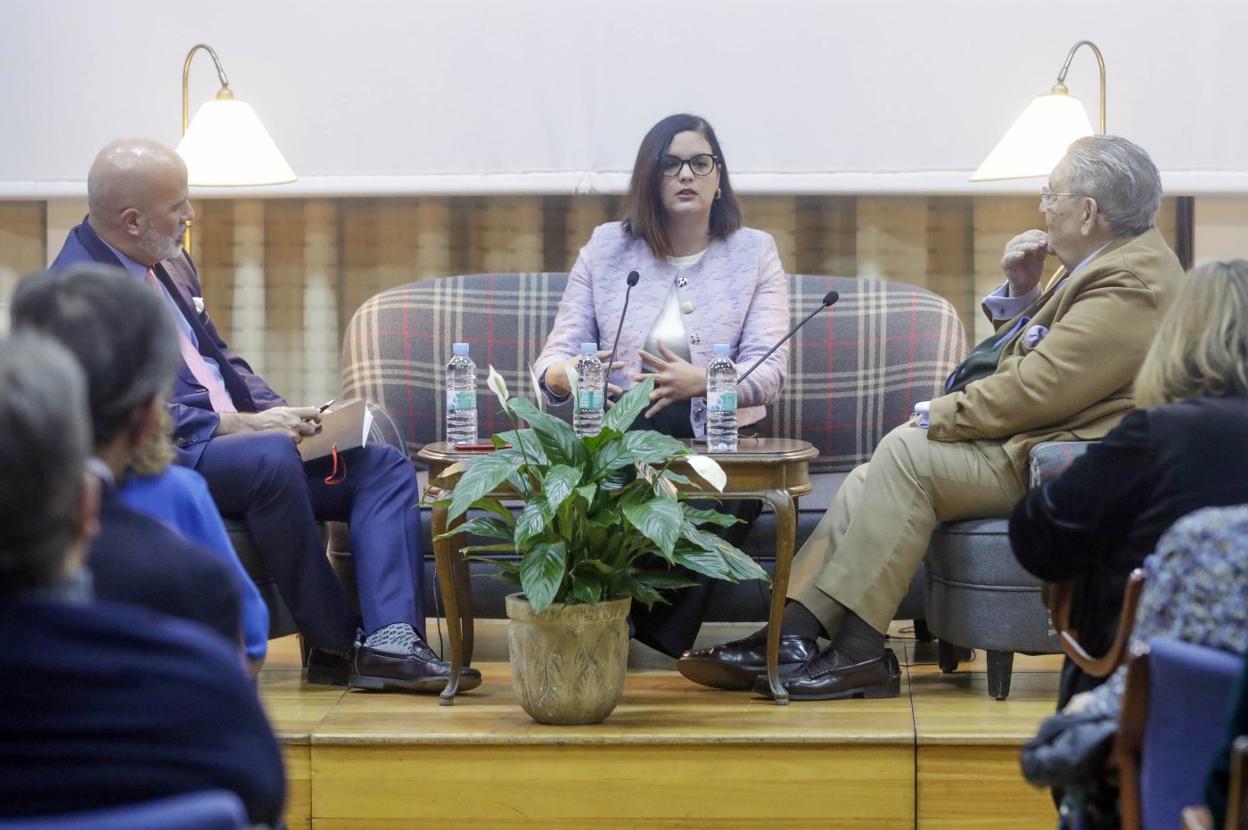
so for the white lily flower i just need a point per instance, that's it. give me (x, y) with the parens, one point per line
(537, 390)
(498, 386)
(709, 470)
(571, 379)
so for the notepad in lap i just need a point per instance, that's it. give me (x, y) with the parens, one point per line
(344, 426)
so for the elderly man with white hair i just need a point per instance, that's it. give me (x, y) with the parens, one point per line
(1060, 366)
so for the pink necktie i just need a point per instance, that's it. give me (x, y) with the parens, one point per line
(217, 395)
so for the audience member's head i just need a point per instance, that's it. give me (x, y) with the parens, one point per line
(138, 199)
(47, 502)
(123, 337)
(1104, 187)
(648, 206)
(1201, 347)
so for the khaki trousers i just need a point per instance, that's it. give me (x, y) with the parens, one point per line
(868, 545)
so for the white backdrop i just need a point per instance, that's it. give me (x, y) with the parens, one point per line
(553, 96)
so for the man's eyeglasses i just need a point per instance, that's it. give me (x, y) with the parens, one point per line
(700, 165)
(1047, 197)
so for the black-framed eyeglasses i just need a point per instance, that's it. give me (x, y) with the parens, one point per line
(700, 165)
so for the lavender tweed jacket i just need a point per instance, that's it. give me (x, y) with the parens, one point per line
(737, 294)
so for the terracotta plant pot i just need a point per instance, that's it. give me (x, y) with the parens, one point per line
(568, 662)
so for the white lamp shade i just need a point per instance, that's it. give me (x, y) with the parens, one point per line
(1038, 139)
(227, 146)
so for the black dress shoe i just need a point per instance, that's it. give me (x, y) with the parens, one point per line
(326, 668)
(736, 665)
(830, 676)
(419, 671)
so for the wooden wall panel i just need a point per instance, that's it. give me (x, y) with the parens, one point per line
(951, 254)
(891, 239)
(777, 215)
(282, 278)
(23, 248)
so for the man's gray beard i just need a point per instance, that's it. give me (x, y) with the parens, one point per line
(160, 248)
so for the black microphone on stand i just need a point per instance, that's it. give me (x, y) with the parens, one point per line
(828, 299)
(633, 277)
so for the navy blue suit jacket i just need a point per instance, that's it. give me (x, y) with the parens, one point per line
(105, 705)
(194, 422)
(136, 560)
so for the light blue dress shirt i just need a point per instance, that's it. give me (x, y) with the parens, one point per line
(139, 270)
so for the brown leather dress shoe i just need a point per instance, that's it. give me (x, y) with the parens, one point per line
(736, 665)
(419, 671)
(830, 676)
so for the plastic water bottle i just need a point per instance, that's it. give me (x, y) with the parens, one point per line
(587, 420)
(721, 402)
(461, 397)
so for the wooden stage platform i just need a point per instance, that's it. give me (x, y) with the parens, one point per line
(673, 755)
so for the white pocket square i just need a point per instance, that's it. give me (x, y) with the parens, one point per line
(199, 304)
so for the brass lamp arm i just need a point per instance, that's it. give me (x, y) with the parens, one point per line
(224, 92)
(1060, 87)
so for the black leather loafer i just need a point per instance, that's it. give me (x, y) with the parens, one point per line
(829, 676)
(420, 671)
(736, 665)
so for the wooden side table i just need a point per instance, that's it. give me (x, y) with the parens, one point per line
(771, 470)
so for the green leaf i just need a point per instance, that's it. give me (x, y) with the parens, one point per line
(738, 565)
(489, 527)
(665, 580)
(611, 456)
(496, 507)
(618, 479)
(677, 478)
(528, 442)
(710, 563)
(502, 547)
(507, 571)
(541, 574)
(698, 516)
(653, 447)
(597, 564)
(659, 520)
(481, 478)
(742, 566)
(533, 520)
(587, 492)
(586, 586)
(557, 437)
(635, 401)
(624, 584)
(558, 483)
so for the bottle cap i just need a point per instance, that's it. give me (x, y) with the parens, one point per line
(589, 348)
(720, 350)
(459, 348)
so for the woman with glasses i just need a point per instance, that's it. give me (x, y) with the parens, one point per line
(704, 279)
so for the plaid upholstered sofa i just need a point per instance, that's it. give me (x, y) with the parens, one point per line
(854, 373)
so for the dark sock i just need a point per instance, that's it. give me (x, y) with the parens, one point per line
(798, 621)
(857, 640)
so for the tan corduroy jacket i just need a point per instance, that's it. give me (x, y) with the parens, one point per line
(1076, 384)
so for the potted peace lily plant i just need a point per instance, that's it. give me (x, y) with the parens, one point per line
(602, 523)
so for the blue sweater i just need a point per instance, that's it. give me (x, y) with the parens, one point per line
(179, 499)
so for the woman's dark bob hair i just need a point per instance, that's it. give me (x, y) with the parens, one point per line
(643, 209)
